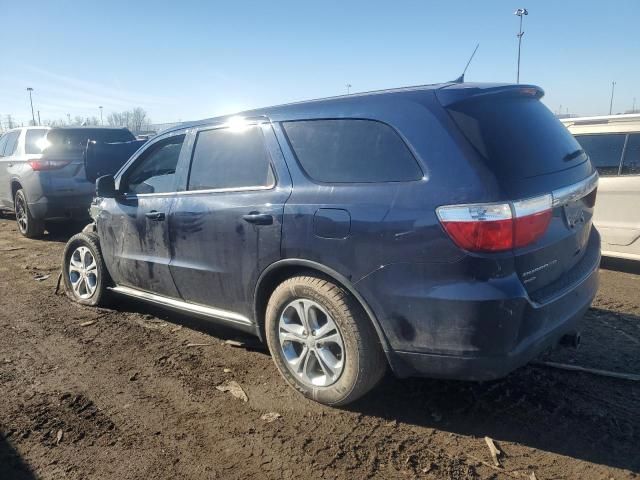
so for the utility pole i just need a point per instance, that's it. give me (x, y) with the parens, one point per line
(101, 122)
(348, 85)
(520, 13)
(69, 118)
(33, 116)
(633, 109)
(39, 121)
(613, 87)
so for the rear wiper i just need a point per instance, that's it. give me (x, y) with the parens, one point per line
(570, 156)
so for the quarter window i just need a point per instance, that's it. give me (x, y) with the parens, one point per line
(631, 161)
(155, 171)
(3, 142)
(605, 151)
(229, 159)
(351, 151)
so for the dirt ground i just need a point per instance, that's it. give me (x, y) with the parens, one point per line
(120, 393)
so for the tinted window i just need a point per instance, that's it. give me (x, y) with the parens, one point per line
(12, 143)
(631, 162)
(155, 171)
(224, 158)
(339, 151)
(78, 137)
(33, 140)
(517, 136)
(3, 142)
(605, 151)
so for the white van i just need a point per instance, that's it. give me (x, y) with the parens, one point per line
(613, 143)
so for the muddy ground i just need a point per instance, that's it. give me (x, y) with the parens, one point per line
(118, 393)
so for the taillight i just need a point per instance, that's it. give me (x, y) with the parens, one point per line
(497, 227)
(38, 165)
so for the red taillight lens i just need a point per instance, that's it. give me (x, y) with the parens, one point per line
(497, 227)
(38, 165)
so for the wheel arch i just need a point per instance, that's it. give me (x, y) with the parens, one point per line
(15, 186)
(279, 271)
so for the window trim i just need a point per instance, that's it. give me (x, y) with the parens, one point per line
(258, 188)
(282, 126)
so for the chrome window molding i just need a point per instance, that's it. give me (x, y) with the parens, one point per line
(570, 193)
(196, 192)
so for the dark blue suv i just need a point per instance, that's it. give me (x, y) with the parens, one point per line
(442, 230)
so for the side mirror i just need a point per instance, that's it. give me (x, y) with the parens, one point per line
(106, 187)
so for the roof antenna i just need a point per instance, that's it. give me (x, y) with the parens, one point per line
(460, 79)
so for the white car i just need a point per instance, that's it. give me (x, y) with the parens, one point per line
(613, 143)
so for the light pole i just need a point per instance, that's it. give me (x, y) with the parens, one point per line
(520, 13)
(101, 122)
(348, 85)
(613, 87)
(33, 115)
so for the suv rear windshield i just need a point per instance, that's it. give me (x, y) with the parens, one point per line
(351, 150)
(78, 137)
(517, 136)
(32, 142)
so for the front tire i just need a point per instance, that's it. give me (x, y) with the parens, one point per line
(83, 270)
(27, 225)
(322, 342)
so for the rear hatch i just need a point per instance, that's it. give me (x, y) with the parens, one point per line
(548, 182)
(64, 156)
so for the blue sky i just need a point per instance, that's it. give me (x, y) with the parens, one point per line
(190, 60)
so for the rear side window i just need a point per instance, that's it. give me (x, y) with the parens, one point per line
(604, 150)
(12, 143)
(225, 158)
(631, 161)
(33, 140)
(517, 136)
(350, 150)
(3, 143)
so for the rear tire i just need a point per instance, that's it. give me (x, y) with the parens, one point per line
(84, 273)
(322, 341)
(27, 225)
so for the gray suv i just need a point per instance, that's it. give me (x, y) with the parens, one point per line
(42, 174)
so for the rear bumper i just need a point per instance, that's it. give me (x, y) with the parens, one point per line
(73, 207)
(471, 330)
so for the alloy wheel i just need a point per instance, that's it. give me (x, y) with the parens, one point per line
(83, 273)
(311, 343)
(21, 214)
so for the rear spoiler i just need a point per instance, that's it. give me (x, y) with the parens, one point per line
(456, 93)
(102, 158)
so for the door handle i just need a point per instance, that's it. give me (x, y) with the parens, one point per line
(258, 218)
(154, 215)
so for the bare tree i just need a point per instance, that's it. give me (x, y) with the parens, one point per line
(135, 120)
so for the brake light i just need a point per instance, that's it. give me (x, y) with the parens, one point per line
(497, 227)
(38, 165)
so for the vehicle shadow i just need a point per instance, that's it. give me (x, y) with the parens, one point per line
(620, 265)
(62, 233)
(12, 465)
(203, 325)
(579, 415)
